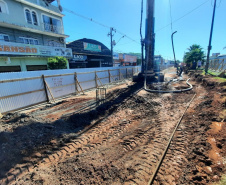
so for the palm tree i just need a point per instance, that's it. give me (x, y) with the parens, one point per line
(194, 54)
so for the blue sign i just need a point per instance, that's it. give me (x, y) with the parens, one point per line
(79, 57)
(115, 56)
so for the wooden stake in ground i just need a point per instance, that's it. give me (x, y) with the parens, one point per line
(76, 84)
(49, 91)
(79, 85)
(99, 80)
(45, 87)
(109, 76)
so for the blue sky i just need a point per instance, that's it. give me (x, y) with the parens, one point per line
(124, 15)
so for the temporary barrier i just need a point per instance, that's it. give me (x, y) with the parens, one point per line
(217, 65)
(46, 86)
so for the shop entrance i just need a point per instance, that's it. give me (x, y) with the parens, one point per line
(95, 63)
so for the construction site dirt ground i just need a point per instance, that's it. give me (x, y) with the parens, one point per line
(76, 141)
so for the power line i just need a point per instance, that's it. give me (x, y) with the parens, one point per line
(171, 16)
(124, 43)
(183, 15)
(100, 24)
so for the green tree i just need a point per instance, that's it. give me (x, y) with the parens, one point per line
(193, 55)
(57, 63)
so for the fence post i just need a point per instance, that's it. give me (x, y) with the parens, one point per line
(119, 73)
(96, 79)
(46, 92)
(126, 73)
(76, 84)
(109, 74)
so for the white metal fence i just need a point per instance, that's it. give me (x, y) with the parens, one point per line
(20, 90)
(218, 65)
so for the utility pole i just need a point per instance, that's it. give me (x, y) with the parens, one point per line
(112, 43)
(141, 38)
(173, 49)
(210, 40)
(150, 35)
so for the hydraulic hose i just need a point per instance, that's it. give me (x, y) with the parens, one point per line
(174, 91)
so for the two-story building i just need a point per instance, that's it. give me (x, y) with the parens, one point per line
(31, 31)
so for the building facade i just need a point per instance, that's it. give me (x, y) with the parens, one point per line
(31, 31)
(88, 53)
(122, 59)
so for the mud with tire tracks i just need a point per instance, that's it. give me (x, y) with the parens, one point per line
(118, 142)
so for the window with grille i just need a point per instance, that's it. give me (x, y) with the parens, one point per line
(34, 17)
(28, 16)
(4, 38)
(26, 40)
(3, 7)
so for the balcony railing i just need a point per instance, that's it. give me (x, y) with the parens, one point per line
(53, 28)
(44, 27)
(39, 44)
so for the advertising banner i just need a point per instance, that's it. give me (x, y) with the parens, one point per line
(11, 48)
(130, 58)
(116, 56)
(92, 47)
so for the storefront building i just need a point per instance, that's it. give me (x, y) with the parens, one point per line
(88, 53)
(31, 31)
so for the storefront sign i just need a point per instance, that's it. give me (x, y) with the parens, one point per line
(79, 57)
(116, 56)
(36, 50)
(92, 47)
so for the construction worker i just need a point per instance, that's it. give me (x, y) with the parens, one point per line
(181, 69)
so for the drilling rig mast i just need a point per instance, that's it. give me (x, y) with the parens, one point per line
(150, 37)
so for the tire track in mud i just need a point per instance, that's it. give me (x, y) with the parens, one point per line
(139, 141)
(74, 147)
(146, 143)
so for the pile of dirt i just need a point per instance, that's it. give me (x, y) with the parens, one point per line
(206, 126)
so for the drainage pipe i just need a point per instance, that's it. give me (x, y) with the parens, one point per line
(174, 91)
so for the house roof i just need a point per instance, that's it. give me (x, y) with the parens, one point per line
(50, 1)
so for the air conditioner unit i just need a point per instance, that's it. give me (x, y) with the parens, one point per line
(62, 40)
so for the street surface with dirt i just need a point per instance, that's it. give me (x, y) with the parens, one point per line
(77, 141)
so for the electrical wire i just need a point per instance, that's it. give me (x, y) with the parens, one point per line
(183, 16)
(100, 24)
(171, 16)
(141, 19)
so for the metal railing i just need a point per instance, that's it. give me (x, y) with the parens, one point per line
(41, 27)
(17, 41)
(53, 28)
